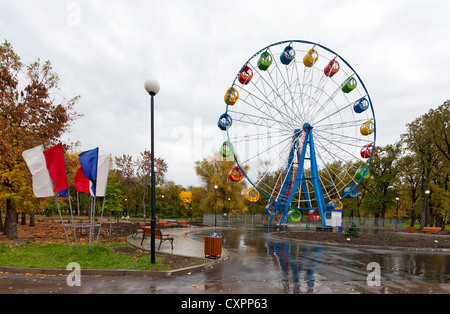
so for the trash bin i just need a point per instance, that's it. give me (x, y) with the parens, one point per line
(213, 247)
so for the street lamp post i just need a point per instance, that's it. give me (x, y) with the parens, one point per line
(162, 209)
(152, 87)
(215, 205)
(427, 205)
(396, 212)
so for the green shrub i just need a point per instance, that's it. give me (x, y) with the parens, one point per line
(353, 230)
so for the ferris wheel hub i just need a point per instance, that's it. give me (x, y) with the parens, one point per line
(307, 126)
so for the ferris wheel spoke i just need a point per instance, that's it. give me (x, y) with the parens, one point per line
(333, 113)
(262, 122)
(346, 137)
(259, 136)
(268, 103)
(340, 124)
(331, 178)
(263, 151)
(278, 85)
(337, 148)
(332, 174)
(321, 107)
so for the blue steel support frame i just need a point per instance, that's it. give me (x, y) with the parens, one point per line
(289, 188)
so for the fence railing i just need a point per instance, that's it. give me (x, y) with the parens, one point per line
(365, 223)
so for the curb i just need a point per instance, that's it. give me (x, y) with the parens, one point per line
(111, 272)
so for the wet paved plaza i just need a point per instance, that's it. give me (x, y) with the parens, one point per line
(260, 264)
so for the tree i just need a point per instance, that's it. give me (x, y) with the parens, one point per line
(438, 123)
(199, 197)
(113, 200)
(410, 182)
(30, 115)
(137, 173)
(421, 140)
(172, 201)
(352, 231)
(384, 175)
(186, 198)
(214, 170)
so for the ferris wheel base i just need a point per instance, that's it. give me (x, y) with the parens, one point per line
(333, 221)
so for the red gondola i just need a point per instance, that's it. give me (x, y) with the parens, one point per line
(246, 75)
(332, 68)
(366, 151)
(314, 214)
(236, 174)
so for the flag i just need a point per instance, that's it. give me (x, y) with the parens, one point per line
(102, 174)
(81, 182)
(88, 161)
(63, 193)
(42, 183)
(54, 158)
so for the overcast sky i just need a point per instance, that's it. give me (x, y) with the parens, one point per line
(104, 51)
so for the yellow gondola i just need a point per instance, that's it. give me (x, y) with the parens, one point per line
(253, 195)
(232, 95)
(337, 204)
(367, 128)
(311, 57)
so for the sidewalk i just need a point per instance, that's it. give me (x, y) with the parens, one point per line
(182, 244)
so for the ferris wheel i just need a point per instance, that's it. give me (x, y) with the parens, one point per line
(301, 127)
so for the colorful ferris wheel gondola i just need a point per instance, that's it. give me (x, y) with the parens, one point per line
(246, 75)
(253, 195)
(332, 68)
(225, 121)
(311, 57)
(236, 174)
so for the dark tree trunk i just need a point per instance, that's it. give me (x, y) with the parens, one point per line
(32, 220)
(1, 222)
(10, 221)
(413, 217)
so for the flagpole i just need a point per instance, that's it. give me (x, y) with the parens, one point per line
(91, 233)
(71, 215)
(101, 218)
(91, 218)
(62, 222)
(78, 204)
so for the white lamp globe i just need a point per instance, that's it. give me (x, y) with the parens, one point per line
(152, 87)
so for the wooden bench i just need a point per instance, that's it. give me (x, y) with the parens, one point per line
(165, 224)
(431, 229)
(147, 233)
(183, 223)
(158, 235)
(138, 228)
(163, 237)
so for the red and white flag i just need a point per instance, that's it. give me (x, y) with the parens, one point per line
(54, 157)
(42, 183)
(81, 182)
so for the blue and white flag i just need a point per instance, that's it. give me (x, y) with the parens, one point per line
(102, 174)
(89, 163)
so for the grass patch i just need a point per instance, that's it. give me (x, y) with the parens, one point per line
(57, 256)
